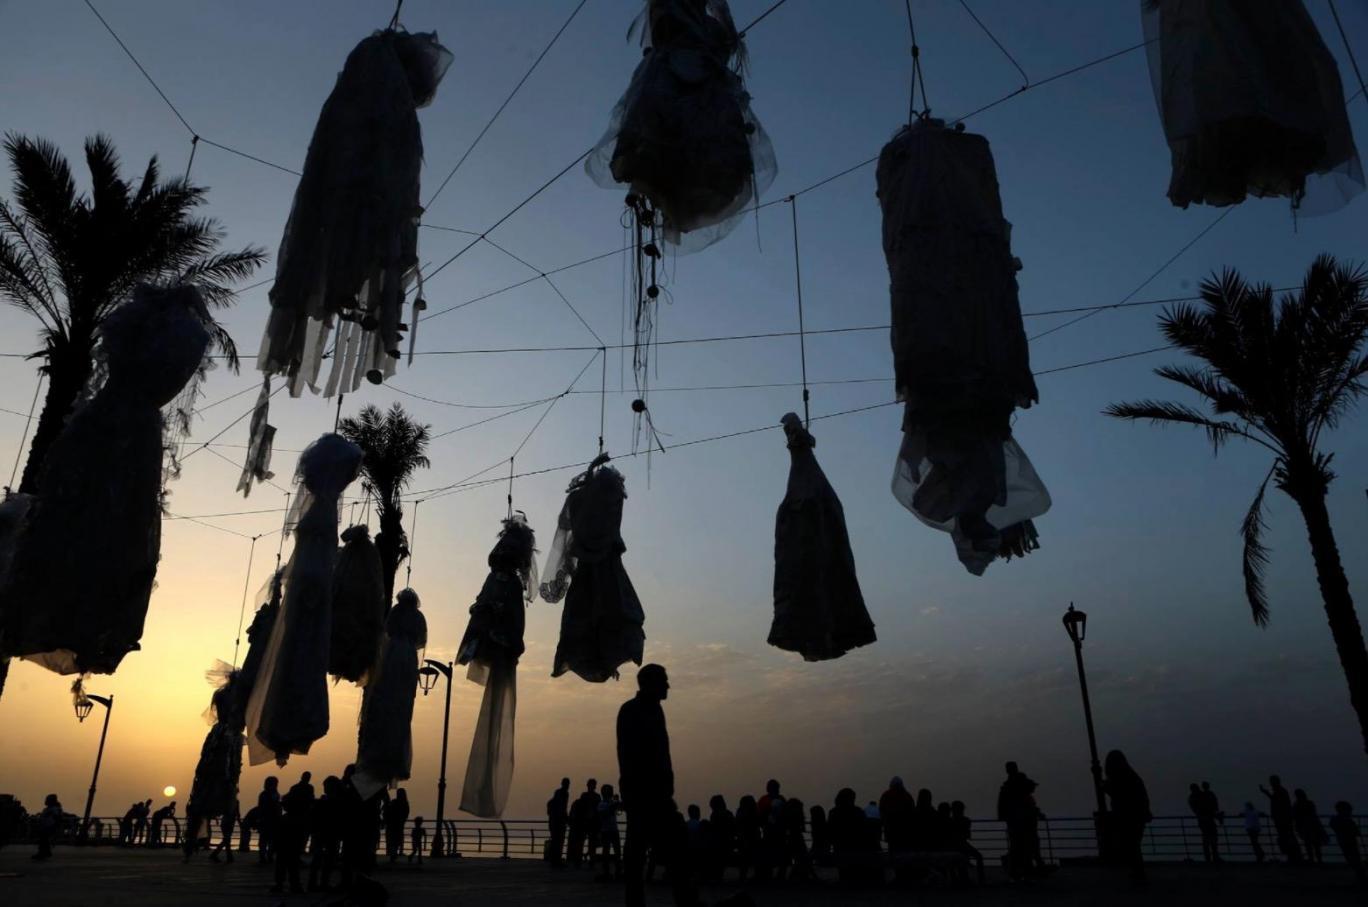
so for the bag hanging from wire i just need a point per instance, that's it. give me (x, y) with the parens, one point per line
(1251, 103)
(960, 357)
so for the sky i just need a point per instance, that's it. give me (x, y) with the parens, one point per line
(967, 672)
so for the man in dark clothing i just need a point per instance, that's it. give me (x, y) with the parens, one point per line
(1203, 805)
(646, 781)
(582, 815)
(1017, 808)
(327, 834)
(557, 814)
(1280, 811)
(297, 811)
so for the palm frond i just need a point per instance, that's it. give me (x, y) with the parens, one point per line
(1256, 554)
(1163, 412)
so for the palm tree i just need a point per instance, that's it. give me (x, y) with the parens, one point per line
(394, 446)
(1278, 375)
(70, 259)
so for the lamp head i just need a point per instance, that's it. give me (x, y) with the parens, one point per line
(1076, 624)
(427, 679)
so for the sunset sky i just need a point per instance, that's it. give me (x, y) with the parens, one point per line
(967, 671)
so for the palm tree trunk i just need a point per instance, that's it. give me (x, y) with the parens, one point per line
(1339, 607)
(68, 371)
(389, 541)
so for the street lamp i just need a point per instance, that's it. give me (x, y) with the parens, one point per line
(1076, 624)
(427, 680)
(83, 706)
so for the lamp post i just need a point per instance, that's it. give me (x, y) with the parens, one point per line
(1076, 624)
(83, 707)
(427, 679)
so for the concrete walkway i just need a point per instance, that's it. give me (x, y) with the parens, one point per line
(95, 877)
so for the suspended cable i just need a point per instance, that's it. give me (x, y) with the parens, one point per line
(917, 74)
(513, 412)
(543, 275)
(1353, 61)
(761, 18)
(1146, 282)
(511, 95)
(241, 535)
(23, 438)
(802, 337)
(413, 533)
(242, 609)
(1025, 79)
(214, 516)
(194, 143)
(603, 395)
(205, 444)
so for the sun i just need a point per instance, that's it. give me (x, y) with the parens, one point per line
(169, 790)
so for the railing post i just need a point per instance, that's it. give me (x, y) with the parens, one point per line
(504, 827)
(1182, 828)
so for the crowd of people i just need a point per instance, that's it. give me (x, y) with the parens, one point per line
(332, 831)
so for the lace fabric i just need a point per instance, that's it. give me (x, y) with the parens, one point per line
(215, 788)
(288, 707)
(819, 610)
(960, 358)
(85, 561)
(1251, 103)
(683, 134)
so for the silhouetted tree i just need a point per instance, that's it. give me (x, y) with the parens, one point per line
(1278, 374)
(394, 446)
(70, 259)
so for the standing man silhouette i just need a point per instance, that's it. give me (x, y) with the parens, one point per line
(646, 781)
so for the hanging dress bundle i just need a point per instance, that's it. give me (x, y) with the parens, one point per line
(350, 248)
(358, 621)
(384, 749)
(85, 560)
(960, 358)
(215, 788)
(601, 624)
(288, 707)
(819, 611)
(1251, 103)
(492, 645)
(258, 640)
(685, 143)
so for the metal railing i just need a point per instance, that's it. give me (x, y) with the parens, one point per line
(1167, 838)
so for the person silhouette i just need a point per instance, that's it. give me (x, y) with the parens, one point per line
(646, 781)
(610, 842)
(297, 812)
(1308, 825)
(396, 816)
(1130, 811)
(1203, 806)
(419, 840)
(582, 815)
(1347, 834)
(1253, 827)
(1017, 808)
(268, 818)
(557, 816)
(49, 823)
(326, 838)
(1280, 811)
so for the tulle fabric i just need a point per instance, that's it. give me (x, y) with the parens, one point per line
(85, 562)
(351, 243)
(492, 645)
(601, 623)
(384, 752)
(1251, 103)
(358, 607)
(683, 134)
(288, 708)
(819, 610)
(960, 358)
(258, 640)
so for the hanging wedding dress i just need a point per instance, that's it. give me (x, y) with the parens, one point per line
(1251, 103)
(959, 348)
(601, 624)
(384, 749)
(492, 645)
(358, 607)
(818, 608)
(288, 708)
(85, 561)
(215, 789)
